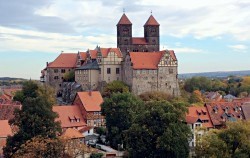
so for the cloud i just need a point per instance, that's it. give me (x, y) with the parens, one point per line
(239, 47)
(186, 50)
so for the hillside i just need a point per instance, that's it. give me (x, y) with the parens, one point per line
(219, 74)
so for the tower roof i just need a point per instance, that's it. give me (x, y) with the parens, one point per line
(151, 21)
(124, 20)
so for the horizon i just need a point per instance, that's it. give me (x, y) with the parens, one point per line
(216, 39)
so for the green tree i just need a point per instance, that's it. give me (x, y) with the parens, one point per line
(233, 141)
(155, 95)
(198, 83)
(96, 155)
(158, 131)
(115, 87)
(29, 90)
(119, 110)
(69, 76)
(36, 118)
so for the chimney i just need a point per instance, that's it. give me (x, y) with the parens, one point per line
(47, 63)
(90, 92)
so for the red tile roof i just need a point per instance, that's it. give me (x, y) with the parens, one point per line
(139, 40)
(146, 60)
(91, 100)
(83, 55)
(93, 54)
(106, 51)
(172, 54)
(221, 112)
(195, 113)
(69, 112)
(151, 21)
(124, 20)
(5, 129)
(72, 133)
(7, 111)
(246, 111)
(86, 129)
(64, 60)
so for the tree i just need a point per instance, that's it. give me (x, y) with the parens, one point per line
(36, 118)
(40, 147)
(29, 90)
(233, 141)
(47, 92)
(69, 76)
(115, 87)
(96, 155)
(196, 97)
(19, 96)
(158, 131)
(119, 111)
(198, 83)
(155, 95)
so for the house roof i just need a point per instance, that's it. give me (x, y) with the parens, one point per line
(5, 129)
(151, 21)
(91, 100)
(89, 66)
(220, 112)
(64, 60)
(106, 51)
(195, 113)
(172, 54)
(68, 112)
(246, 110)
(124, 20)
(146, 60)
(83, 55)
(7, 110)
(139, 40)
(86, 129)
(72, 133)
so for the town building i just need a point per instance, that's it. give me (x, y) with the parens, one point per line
(90, 106)
(70, 117)
(5, 131)
(199, 121)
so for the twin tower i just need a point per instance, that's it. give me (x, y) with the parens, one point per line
(149, 43)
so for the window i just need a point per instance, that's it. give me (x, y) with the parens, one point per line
(108, 70)
(56, 78)
(62, 70)
(100, 71)
(117, 70)
(55, 70)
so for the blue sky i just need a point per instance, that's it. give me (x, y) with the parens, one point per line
(206, 35)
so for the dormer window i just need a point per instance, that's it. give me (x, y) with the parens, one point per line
(71, 119)
(77, 119)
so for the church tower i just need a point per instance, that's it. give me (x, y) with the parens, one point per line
(124, 34)
(152, 34)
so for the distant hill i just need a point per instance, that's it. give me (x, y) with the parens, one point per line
(219, 74)
(11, 79)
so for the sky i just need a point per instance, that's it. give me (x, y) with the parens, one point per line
(206, 35)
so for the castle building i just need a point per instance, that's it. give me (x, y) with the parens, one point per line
(149, 43)
(137, 61)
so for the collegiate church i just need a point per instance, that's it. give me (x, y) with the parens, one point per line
(137, 61)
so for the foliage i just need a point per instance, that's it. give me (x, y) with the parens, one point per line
(47, 92)
(232, 141)
(69, 76)
(155, 95)
(36, 118)
(40, 147)
(119, 110)
(96, 155)
(115, 87)
(101, 130)
(196, 97)
(19, 96)
(158, 131)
